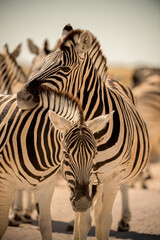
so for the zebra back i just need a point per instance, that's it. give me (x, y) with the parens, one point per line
(147, 97)
(140, 74)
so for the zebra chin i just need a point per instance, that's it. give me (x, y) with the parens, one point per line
(82, 204)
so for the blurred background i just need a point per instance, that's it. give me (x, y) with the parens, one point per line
(129, 34)
(129, 31)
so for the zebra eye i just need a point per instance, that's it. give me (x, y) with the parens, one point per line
(66, 155)
(65, 69)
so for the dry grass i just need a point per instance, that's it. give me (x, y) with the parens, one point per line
(122, 74)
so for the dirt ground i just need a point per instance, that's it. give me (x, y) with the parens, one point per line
(145, 207)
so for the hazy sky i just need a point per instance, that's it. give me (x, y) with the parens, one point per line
(128, 30)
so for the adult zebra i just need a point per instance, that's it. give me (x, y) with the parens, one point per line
(11, 74)
(147, 98)
(20, 213)
(12, 78)
(79, 67)
(141, 74)
(40, 54)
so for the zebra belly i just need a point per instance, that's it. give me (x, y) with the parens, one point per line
(13, 175)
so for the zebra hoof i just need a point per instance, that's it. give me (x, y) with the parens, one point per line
(123, 226)
(69, 228)
(26, 218)
(14, 221)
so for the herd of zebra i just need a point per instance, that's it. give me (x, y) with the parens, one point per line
(69, 116)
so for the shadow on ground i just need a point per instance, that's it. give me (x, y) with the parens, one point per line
(61, 227)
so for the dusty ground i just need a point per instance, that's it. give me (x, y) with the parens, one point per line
(145, 206)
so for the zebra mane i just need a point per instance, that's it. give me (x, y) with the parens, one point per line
(95, 53)
(64, 100)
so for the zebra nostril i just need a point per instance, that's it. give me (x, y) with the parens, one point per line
(29, 97)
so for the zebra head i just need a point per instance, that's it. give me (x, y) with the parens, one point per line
(60, 67)
(40, 54)
(79, 152)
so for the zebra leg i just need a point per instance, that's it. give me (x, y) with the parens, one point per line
(103, 206)
(16, 209)
(97, 204)
(126, 214)
(5, 202)
(43, 199)
(76, 227)
(28, 206)
(82, 225)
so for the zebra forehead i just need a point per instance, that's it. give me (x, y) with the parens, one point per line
(79, 137)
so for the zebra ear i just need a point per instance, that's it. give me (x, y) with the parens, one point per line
(58, 122)
(5, 48)
(66, 30)
(85, 41)
(98, 123)
(46, 47)
(32, 47)
(15, 53)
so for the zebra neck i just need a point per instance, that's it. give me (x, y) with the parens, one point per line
(10, 73)
(12, 64)
(60, 105)
(94, 97)
(98, 60)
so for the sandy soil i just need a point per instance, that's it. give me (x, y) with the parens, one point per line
(145, 207)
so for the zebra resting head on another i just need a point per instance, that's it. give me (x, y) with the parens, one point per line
(79, 67)
(11, 74)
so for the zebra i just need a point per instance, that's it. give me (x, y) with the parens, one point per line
(31, 152)
(141, 74)
(19, 213)
(12, 79)
(12, 76)
(40, 54)
(79, 67)
(147, 99)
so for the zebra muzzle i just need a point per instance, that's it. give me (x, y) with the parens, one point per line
(81, 204)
